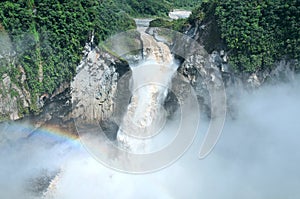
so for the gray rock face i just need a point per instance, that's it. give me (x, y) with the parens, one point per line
(13, 97)
(283, 71)
(209, 73)
(100, 90)
(204, 76)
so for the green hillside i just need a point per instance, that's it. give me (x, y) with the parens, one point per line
(257, 33)
(48, 37)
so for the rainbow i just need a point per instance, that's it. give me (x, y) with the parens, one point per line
(60, 133)
(50, 132)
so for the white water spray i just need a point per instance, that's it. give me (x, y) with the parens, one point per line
(145, 115)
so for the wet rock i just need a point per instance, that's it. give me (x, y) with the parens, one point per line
(39, 184)
(110, 129)
(171, 104)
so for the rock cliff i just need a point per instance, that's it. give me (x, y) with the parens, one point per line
(100, 90)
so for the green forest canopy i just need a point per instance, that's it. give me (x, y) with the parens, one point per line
(258, 33)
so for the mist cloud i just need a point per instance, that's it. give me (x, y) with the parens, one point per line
(257, 157)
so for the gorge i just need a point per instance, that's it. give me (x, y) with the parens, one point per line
(150, 90)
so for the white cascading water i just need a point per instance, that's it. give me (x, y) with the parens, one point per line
(145, 115)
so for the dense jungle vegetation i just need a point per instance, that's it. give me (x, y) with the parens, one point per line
(257, 33)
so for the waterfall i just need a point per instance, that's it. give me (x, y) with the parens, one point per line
(145, 116)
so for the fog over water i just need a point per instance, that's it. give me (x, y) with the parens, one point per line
(257, 157)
